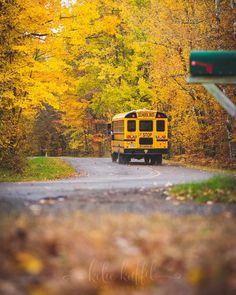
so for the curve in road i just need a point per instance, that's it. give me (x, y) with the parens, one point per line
(102, 174)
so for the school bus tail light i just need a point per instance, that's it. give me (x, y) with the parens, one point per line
(161, 137)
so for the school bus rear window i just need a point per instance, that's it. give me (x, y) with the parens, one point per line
(146, 125)
(131, 125)
(160, 125)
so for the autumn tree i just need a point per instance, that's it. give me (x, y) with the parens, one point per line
(30, 71)
(110, 57)
(198, 124)
(88, 60)
(48, 133)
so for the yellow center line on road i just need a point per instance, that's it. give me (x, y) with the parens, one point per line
(155, 173)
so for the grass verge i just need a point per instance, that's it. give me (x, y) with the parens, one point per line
(217, 189)
(204, 167)
(206, 164)
(38, 169)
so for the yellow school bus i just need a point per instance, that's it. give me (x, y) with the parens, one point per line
(139, 134)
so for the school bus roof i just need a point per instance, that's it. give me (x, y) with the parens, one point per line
(135, 112)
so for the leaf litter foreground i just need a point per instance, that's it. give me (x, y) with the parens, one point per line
(117, 254)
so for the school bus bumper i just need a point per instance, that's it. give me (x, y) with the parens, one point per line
(143, 152)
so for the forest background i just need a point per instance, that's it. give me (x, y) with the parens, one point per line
(66, 67)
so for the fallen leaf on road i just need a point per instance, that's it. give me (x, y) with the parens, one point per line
(176, 203)
(29, 263)
(194, 276)
(36, 209)
(126, 247)
(210, 203)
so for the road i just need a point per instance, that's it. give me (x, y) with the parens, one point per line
(113, 187)
(102, 174)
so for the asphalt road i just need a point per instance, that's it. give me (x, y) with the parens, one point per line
(102, 174)
(109, 186)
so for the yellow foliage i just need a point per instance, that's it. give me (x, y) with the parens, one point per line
(92, 59)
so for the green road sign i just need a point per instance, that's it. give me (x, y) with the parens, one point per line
(213, 63)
